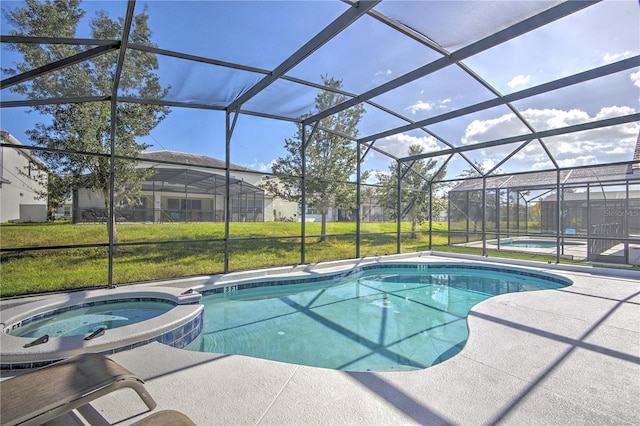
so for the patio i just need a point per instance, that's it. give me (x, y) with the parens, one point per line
(569, 356)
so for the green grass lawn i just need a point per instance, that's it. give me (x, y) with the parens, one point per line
(163, 251)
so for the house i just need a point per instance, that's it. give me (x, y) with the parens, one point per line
(189, 187)
(23, 180)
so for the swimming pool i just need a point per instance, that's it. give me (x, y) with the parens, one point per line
(533, 243)
(90, 317)
(104, 321)
(380, 317)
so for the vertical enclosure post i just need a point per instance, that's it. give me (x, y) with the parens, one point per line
(449, 219)
(303, 199)
(526, 216)
(589, 240)
(484, 216)
(358, 176)
(588, 211)
(430, 212)
(498, 218)
(508, 218)
(186, 198)
(558, 214)
(398, 209)
(128, 20)
(111, 227)
(627, 227)
(518, 195)
(227, 188)
(466, 216)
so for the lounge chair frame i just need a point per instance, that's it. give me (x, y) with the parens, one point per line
(44, 394)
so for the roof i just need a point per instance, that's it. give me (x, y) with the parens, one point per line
(167, 156)
(606, 174)
(596, 196)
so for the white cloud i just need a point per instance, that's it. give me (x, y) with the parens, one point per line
(584, 160)
(612, 57)
(635, 78)
(398, 145)
(495, 128)
(428, 106)
(554, 118)
(618, 150)
(444, 103)
(487, 164)
(260, 166)
(533, 150)
(420, 106)
(603, 145)
(541, 119)
(519, 80)
(384, 72)
(613, 111)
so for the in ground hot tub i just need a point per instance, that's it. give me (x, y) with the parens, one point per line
(102, 321)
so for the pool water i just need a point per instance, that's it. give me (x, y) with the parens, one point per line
(86, 320)
(526, 243)
(385, 320)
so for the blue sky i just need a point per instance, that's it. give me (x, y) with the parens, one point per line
(262, 34)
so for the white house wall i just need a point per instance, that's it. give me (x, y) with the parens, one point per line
(19, 193)
(279, 209)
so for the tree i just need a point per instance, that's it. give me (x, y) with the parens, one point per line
(330, 158)
(75, 131)
(414, 192)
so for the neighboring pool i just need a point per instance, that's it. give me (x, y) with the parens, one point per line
(531, 243)
(381, 317)
(90, 317)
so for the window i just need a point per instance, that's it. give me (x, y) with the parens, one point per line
(177, 204)
(173, 204)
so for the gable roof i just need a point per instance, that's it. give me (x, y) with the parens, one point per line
(186, 158)
(602, 174)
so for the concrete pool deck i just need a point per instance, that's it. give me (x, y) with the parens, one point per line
(568, 356)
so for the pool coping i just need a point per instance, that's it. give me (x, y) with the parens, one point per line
(310, 269)
(231, 287)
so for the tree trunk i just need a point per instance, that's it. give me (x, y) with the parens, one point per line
(111, 226)
(323, 227)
